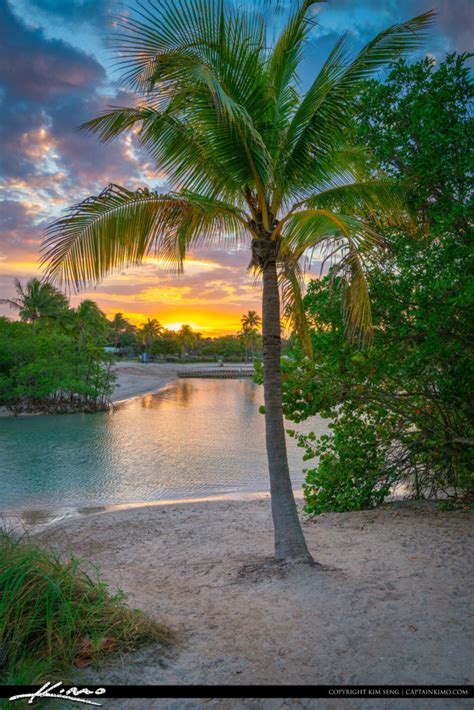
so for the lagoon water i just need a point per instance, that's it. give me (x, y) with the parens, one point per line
(194, 438)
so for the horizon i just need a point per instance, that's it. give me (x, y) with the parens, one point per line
(64, 78)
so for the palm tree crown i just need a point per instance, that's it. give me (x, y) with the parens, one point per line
(251, 321)
(118, 325)
(37, 300)
(186, 338)
(252, 158)
(220, 110)
(89, 321)
(150, 331)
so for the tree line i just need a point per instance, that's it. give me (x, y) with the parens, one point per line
(59, 359)
(46, 309)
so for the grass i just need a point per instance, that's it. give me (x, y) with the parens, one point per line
(55, 618)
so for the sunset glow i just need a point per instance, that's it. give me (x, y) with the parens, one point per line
(63, 79)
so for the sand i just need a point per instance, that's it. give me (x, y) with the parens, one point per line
(135, 379)
(390, 604)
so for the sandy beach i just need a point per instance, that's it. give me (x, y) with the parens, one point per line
(134, 378)
(391, 602)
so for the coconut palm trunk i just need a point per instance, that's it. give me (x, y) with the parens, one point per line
(288, 538)
(252, 158)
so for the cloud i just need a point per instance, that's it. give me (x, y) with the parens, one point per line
(53, 78)
(365, 19)
(34, 68)
(87, 11)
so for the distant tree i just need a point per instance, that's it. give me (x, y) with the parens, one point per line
(89, 322)
(37, 300)
(244, 337)
(167, 344)
(119, 324)
(149, 332)
(251, 324)
(186, 338)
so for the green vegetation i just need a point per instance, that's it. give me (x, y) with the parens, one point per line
(37, 301)
(54, 617)
(50, 371)
(402, 407)
(58, 359)
(52, 360)
(251, 323)
(253, 159)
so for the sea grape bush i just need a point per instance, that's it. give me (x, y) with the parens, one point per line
(352, 472)
(401, 408)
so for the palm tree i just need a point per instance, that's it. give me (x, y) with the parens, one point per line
(89, 321)
(251, 323)
(118, 325)
(149, 332)
(186, 338)
(37, 300)
(254, 160)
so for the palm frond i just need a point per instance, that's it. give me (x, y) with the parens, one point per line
(11, 303)
(287, 55)
(190, 160)
(358, 248)
(118, 228)
(380, 201)
(292, 287)
(326, 112)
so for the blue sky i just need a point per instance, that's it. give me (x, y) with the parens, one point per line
(56, 72)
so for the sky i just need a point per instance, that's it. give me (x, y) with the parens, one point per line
(56, 72)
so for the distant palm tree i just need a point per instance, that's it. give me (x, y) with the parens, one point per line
(186, 338)
(149, 332)
(37, 300)
(118, 325)
(251, 323)
(255, 159)
(89, 321)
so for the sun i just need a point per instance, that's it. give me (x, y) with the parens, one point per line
(176, 326)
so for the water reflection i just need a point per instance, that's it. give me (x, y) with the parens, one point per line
(195, 438)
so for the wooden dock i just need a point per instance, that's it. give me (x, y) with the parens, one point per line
(220, 373)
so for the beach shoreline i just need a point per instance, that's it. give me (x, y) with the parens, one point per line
(135, 379)
(388, 604)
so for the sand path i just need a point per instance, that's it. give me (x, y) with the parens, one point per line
(393, 603)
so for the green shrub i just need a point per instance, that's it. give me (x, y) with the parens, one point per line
(47, 370)
(54, 616)
(352, 472)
